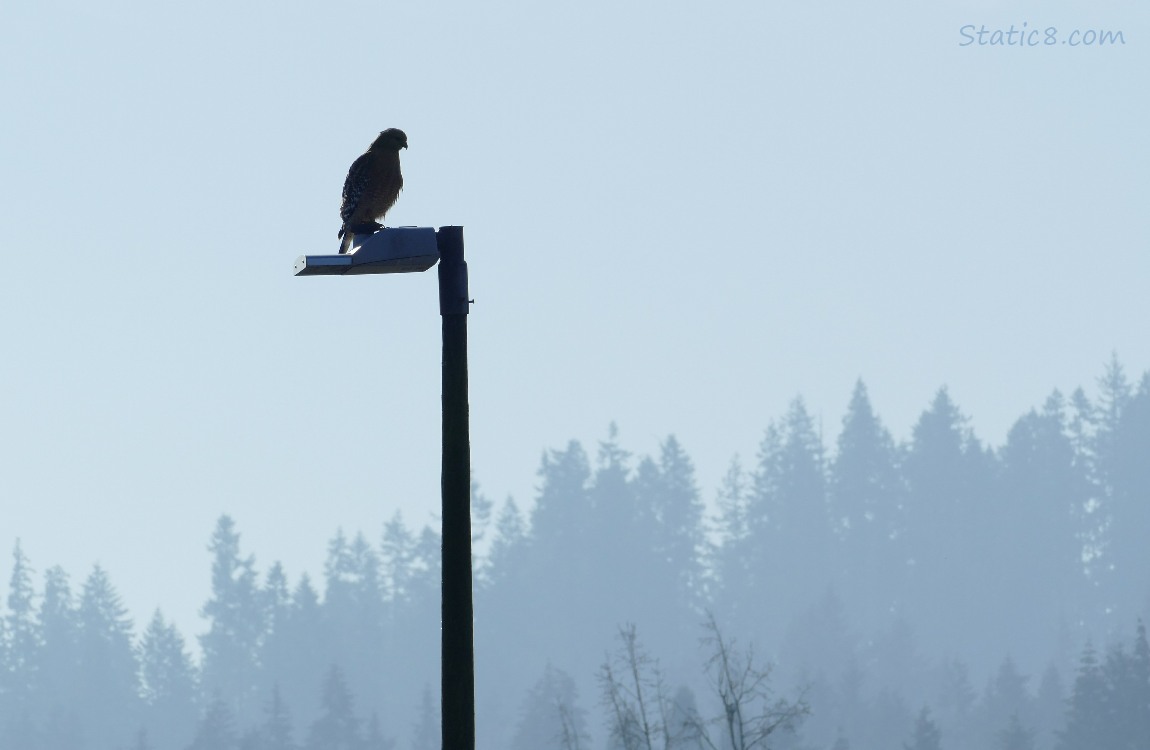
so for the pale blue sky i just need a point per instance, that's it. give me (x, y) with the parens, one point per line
(678, 216)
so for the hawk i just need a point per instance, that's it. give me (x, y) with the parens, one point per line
(372, 186)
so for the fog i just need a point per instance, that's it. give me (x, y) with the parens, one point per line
(886, 589)
(746, 226)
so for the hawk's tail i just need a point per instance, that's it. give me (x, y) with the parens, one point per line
(347, 238)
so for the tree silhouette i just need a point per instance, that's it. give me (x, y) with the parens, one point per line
(231, 646)
(550, 717)
(276, 732)
(788, 516)
(426, 731)
(866, 496)
(1086, 719)
(751, 713)
(337, 728)
(108, 700)
(926, 733)
(168, 684)
(1015, 736)
(21, 652)
(217, 728)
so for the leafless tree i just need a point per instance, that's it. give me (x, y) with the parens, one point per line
(750, 714)
(570, 737)
(636, 696)
(642, 717)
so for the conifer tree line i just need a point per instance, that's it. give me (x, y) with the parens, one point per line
(930, 592)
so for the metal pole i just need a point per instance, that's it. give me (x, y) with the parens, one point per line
(458, 652)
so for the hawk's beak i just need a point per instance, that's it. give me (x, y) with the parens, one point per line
(405, 145)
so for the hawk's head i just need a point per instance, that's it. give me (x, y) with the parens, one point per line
(392, 139)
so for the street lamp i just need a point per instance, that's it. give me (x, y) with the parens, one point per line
(406, 250)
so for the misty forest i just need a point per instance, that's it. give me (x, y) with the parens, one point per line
(856, 592)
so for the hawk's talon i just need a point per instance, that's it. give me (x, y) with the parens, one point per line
(367, 227)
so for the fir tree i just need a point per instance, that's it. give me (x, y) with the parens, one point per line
(956, 696)
(621, 528)
(251, 740)
(1050, 706)
(1139, 699)
(374, 739)
(666, 537)
(426, 731)
(1092, 515)
(1129, 511)
(1006, 696)
(1107, 418)
(949, 514)
(59, 655)
(788, 515)
(217, 728)
(427, 566)
(231, 646)
(1126, 674)
(397, 555)
(644, 528)
(1114, 394)
(1015, 736)
(562, 510)
(353, 612)
(1043, 490)
(731, 559)
(731, 501)
(337, 728)
(61, 730)
(678, 514)
(23, 649)
(507, 546)
(297, 657)
(411, 575)
(1086, 717)
(277, 650)
(926, 733)
(338, 577)
(427, 573)
(276, 732)
(108, 702)
(276, 598)
(481, 508)
(865, 495)
(168, 684)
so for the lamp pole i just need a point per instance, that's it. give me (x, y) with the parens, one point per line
(412, 249)
(457, 697)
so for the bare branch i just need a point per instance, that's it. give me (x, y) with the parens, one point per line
(634, 690)
(749, 716)
(569, 735)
